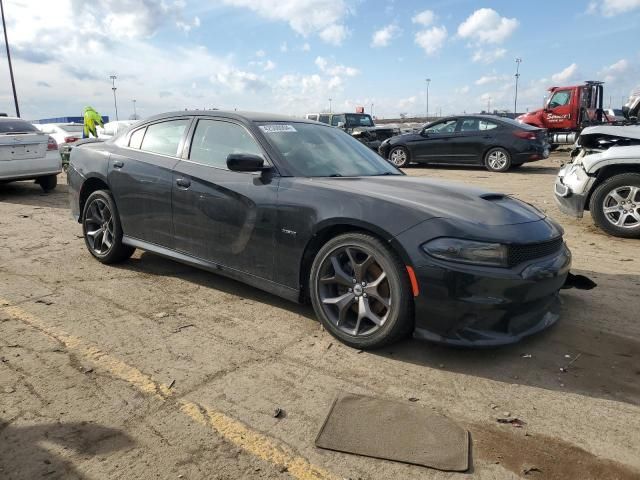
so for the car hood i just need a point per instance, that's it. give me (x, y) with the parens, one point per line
(439, 199)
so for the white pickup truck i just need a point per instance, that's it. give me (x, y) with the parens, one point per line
(26, 153)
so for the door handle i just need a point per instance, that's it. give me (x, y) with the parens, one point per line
(183, 183)
(118, 164)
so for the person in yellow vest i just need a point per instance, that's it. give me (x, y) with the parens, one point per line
(91, 119)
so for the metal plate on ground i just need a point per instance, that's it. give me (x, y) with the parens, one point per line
(397, 431)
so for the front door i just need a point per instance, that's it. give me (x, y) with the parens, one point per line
(141, 179)
(434, 144)
(558, 111)
(221, 216)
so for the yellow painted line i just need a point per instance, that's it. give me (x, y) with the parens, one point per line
(233, 431)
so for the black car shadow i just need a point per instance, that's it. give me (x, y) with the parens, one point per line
(22, 456)
(607, 366)
(30, 194)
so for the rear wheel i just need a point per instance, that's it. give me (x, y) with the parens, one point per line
(102, 229)
(360, 290)
(48, 183)
(497, 160)
(399, 156)
(615, 205)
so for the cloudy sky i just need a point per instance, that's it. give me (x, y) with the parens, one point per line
(291, 56)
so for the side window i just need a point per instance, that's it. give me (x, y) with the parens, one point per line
(136, 138)
(560, 98)
(164, 138)
(469, 125)
(214, 140)
(487, 125)
(337, 119)
(324, 119)
(448, 126)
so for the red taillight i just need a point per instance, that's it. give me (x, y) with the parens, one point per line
(524, 134)
(70, 139)
(52, 144)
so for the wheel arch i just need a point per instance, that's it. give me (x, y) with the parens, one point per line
(89, 186)
(329, 229)
(606, 172)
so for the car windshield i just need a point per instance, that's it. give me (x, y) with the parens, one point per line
(358, 120)
(315, 150)
(9, 126)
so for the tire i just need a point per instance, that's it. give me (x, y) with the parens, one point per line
(615, 205)
(497, 159)
(367, 316)
(102, 230)
(399, 157)
(48, 183)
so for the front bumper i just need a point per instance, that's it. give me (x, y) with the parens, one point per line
(473, 306)
(571, 190)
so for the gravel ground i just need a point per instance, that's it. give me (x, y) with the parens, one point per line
(152, 369)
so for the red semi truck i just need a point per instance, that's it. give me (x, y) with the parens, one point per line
(567, 111)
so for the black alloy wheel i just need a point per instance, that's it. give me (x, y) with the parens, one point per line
(360, 290)
(102, 230)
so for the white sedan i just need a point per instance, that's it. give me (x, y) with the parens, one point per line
(62, 132)
(26, 153)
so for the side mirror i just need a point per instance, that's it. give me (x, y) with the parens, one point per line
(340, 125)
(424, 132)
(245, 162)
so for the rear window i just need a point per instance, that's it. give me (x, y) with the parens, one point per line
(16, 126)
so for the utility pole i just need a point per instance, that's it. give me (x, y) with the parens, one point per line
(489, 105)
(6, 42)
(115, 102)
(135, 115)
(428, 80)
(372, 110)
(330, 111)
(515, 100)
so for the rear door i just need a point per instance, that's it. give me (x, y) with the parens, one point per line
(474, 136)
(434, 144)
(222, 216)
(141, 178)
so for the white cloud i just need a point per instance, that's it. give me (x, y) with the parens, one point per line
(186, 27)
(463, 90)
(566, 74)
(334, 34)
(306, 17)
(424, 18)
(260, 53)
(432, 39)
(612, 72)
(382, 37)
(491, 79)
(306, 47)
(610, 8)
(482, 55)
(284, 47)
(341, 70)
(268, 66)
(487, 26)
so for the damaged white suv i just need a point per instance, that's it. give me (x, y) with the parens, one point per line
(604, 178)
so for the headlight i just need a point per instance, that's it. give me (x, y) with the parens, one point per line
(467, 251)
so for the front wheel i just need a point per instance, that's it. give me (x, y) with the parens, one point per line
(497, 160)
(360, 291)
(615, 205)
(399, 156)
(102, 229)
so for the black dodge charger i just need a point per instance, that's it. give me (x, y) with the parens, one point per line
(304, 211)
(497, 143)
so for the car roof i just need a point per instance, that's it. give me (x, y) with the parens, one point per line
(245, 116)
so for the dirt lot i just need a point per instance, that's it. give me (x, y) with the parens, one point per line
(152, 369)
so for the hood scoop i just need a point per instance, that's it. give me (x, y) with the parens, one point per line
(493, 197)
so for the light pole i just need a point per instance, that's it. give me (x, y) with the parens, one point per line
(489, 105)
(115, 102)
(515, 100)
(330, 105)
(428, 80)
(6, 42)
(135, 115)
(372, 110)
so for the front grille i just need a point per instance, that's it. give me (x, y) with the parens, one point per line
(523, 253)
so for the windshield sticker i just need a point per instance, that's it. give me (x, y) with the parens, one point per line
(277, 128)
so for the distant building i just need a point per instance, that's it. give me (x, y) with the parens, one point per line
(105, 119)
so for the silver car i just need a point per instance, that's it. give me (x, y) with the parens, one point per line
(26, 153)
